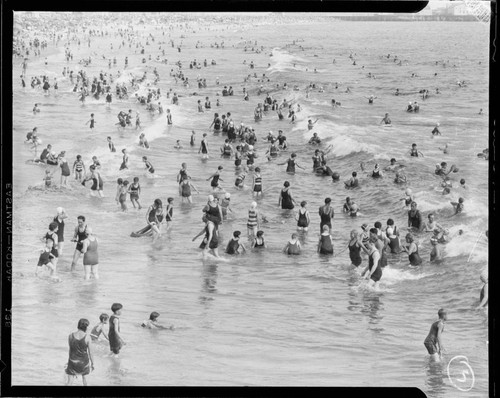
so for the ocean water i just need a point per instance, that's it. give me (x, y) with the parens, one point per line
(262, 318)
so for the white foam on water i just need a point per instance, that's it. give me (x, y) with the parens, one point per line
(282, 60)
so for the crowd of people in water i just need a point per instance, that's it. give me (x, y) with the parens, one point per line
(369, 246)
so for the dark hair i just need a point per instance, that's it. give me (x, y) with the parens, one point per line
(378, 225)
(103, 317)
(83, 324)
(354, 174)
(78, 157)
(158, 203)
(374, 231)
(136, 179)
(393, 159)
(119, 181)
(328, 200)
(220, 167)
(390, 221)
(257, 169)
(170, 200)
(125, 182)
(116, 307)
(303, 203)
(236, 234)
(286, 184)
(154, 315)
(260, 233)
(81, 218)
(52, 225)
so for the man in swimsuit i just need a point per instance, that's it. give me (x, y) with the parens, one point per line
(353, 181)
(414, 217)
(386, 120)
(79, 236)
(433, 341)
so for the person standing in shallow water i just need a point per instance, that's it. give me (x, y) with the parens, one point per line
(433, 341)
(114, 334)
(286, 200)
(326, 213)
(90, 255)
(80, 361)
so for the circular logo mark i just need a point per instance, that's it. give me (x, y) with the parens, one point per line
(460, 373)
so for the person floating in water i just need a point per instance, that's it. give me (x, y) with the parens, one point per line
(152, 322)
(433, 341)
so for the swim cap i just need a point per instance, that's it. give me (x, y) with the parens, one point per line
(364, 227)
(250, 147)
(60, 210)
(88, 230)
(335, 176)
(228, 195)
(408, 191)
(210, 197)
(254, 204)
(389, 232)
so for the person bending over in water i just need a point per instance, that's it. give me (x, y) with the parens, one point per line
(98, 329)
(433, 341)
(210, 241)
(149, 166)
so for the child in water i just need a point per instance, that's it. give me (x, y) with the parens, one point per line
(111, 145)
(46, 258)
(152, 322)
(98, 329)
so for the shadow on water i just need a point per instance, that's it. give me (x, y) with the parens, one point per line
(209, 282)
(436, 374)
(371, 307)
